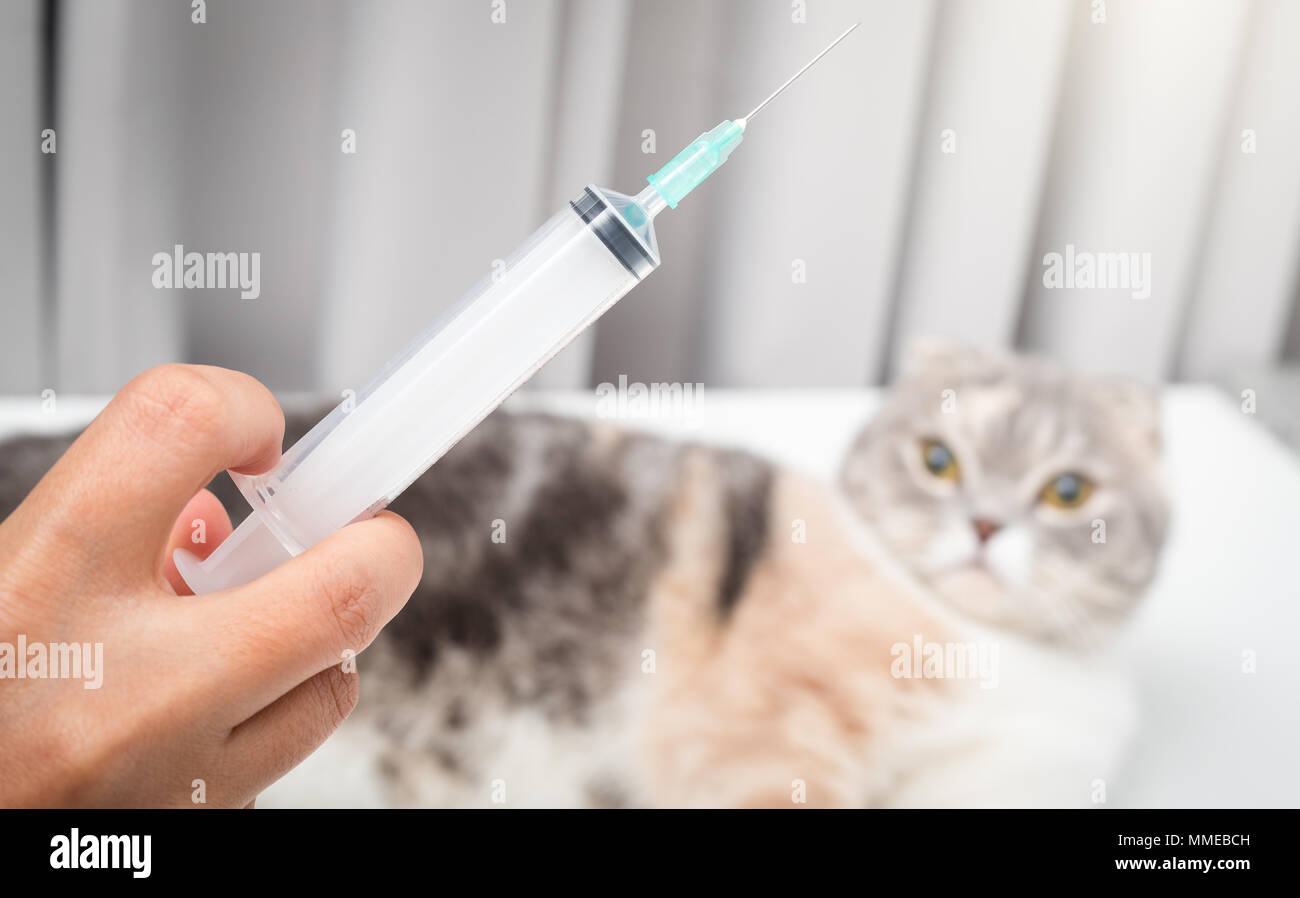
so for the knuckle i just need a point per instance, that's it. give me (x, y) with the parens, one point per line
(69, 766)
(339, 693)
(75, 761)
(355, 601)
(176, 394)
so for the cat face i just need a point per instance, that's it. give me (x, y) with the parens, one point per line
(1027, 497)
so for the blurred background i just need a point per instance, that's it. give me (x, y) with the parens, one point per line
(911, 184)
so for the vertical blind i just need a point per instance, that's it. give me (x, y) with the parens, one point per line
(912, 184)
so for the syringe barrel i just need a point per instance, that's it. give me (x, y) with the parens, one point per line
(370, 447)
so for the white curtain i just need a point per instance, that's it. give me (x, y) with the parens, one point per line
(911, 184)
(22, 182)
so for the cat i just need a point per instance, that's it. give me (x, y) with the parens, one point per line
(610, 619)
(1035, 438)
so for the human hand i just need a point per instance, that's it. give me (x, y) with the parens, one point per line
(233, 688)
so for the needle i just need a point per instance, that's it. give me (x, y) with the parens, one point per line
(744, 121)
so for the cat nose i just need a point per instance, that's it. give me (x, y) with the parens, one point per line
(984, 528)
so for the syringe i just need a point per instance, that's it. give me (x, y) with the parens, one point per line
(374, 444)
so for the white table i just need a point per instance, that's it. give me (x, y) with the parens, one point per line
(1210, 734)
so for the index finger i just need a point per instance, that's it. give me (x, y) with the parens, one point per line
(162, 437)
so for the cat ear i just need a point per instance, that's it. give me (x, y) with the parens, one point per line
(1135, 407)
(934, 354)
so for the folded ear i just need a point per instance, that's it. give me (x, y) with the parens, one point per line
(1135, 407)
(940, 354)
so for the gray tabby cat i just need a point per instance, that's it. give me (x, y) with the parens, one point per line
(611, 619)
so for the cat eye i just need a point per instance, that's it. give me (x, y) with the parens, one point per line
(939, 460)
(1068, 490)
